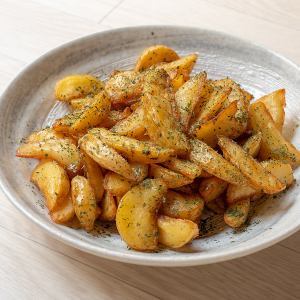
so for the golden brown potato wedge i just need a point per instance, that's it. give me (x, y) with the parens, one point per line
(235, 193)
(44, 135)
(136, 217)
(132, 126)
(63, 151)
(93, 173)
(116, 184)
(253, 143)
(134, 150)
(188, 97)
(211, 188)
(225, 123)
(124, 87)
(114, 117)
(77, 86)
(181, 206)
(105, 156)
(184, 167)
(140, 171)
(273, 144)
(180, 69)
(236, 213)
(217, 206)
(154, 55)
(260, 178)
(81, 103)
(88, 117)
(53, 182)
(275, 104)
(176, 233)
(84, 202)
(109, 208)
(64, 212)
(212, 162)
(171, 179)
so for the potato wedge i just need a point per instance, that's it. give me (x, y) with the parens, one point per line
(109, 208)
(80, 103)
(235, 193)
(154, 55)
(275, 104)
(253, 143)
(132, 126)
(124, 86)
(44, 135)
(134, 150)
(116, 184)
(63, 151)
(93, 173)
(105, 156)
(236, 214)
(77, 86)
(211, 188)
(64, 212)
(273, 144)
(84, 202)
(225, 123)
(260, 178)
(88, 117)
(140, 171)
(184, 167)
(188, 97)
(175, 233)
(212, 162)
(171, 179)
(217, 206)
(188, 207)
(136, 217)
(53, 182)
(180, 69)
(114, 117)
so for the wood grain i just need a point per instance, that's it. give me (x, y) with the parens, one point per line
(34, 265)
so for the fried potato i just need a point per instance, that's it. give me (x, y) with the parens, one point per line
(84, 202)
(253, 143)
(211, 188)
(105, 156)
(236, 214)
(88, 117)
(134, 150)
(53, 182)
(132, 126)
(217, 206)
(236, 193)
(176, 233)
(184, 167)
(116, 184)
(136, 217)
(140, 171)
(275, 104)
(188, 97)
(171, 179)
(109, 208)
(273, 144)
(181, 206)
(80, 103)
(77, 86)
(226, 123)
(214, 103)
(44, 135)
(114, 117)
(212, 162)
(154, 55)
(64, 212)
(124, 87)
(63, 151)
(180, 69)
(93, 173)
(260, 178)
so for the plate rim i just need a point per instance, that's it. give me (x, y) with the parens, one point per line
(131, 257)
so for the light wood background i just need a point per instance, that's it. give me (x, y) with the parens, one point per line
(35, 266)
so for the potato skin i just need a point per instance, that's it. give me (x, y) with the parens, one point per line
(136, 217)
(64, 213)
(84, 202)
(116, 184)
(211, 188)
(53, 182)
(77, 86)
(109, 208)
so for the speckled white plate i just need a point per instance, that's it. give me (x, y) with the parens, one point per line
(28, 104)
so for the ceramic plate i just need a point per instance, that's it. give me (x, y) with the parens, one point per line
(29, 104)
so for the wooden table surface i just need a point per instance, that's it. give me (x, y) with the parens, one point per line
(35, 266)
